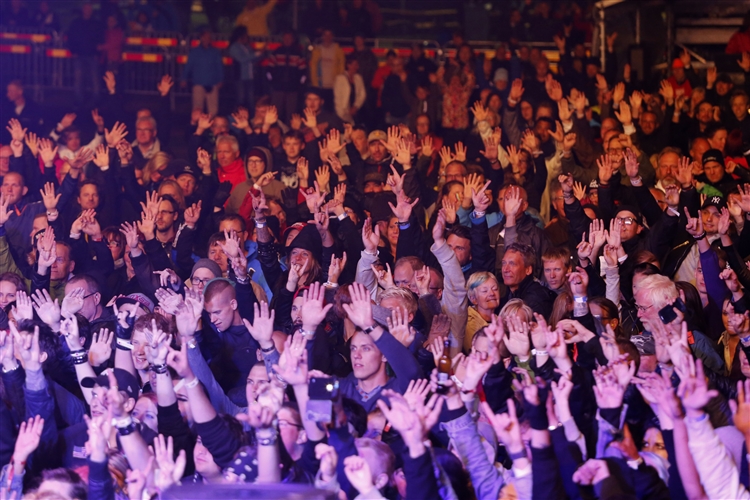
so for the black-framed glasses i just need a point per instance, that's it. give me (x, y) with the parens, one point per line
(199, 281)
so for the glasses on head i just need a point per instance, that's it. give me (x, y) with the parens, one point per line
(199, 281)
(628, 221)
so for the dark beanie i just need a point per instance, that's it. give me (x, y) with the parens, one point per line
(308, 239)
(207, 264)
(713, 155)
(630, 208)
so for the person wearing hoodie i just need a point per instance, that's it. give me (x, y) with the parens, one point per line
(259, 174)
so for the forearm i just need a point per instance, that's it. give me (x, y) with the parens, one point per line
(314, 433)
(268, 460)
(200, 405)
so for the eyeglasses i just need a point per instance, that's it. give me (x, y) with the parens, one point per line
(198, 281)
(286, 423)
(166, 212)
(114, 243)
(643, 308)
(628, 221)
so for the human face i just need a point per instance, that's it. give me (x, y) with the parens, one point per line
(98, 402)
(403, 276)
(145, 411)
(513, 269)
(302, 257)
(297, 310)
(292, 147)
(710, 216)
(487, 295)
(378, 151)
(313, 102)
(5, 153)
(700, 283)
(393, 231)
(360, 141)
(62, 266)
(719, 140)
(140, 344)
(204, 460)
(630, 227)
(145, 133)
(423, 126)
(13, 188)
(200, 277)
(654, 442)
(221, 310)
(57, 489)
(667, 165)
(455, 172)
(739, 107)
(225, 154)
(367, 360)
(187, 184)
(648, 123)
(714, 171)
(7, 293)
(290, 430)
(455, 194)
(255, 167)
(554, 273)
(436, 287)
(705, 113)
(14, 92)
(216, 254)
(461, 247)
(220, 126)
(647, 313)
(257, 375)
(527, 111)
(700, 146)
(73, 141)
(596, 310)
(88, 198)
(182, 402)
(166, 216)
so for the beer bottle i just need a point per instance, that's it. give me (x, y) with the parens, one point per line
(444, 367)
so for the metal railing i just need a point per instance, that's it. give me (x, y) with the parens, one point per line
(42, 61)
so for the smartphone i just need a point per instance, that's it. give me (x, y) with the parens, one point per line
(668, 313)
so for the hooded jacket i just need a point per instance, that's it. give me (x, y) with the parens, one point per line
(273, 190)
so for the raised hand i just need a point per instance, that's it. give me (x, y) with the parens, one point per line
(27, 441)
(359, 474)
(398, 326)
(101, 347)
(23, 308)
(125, 152)
(170, 470)
(118, 133)
(517, 341)
(516, 90)
(336, 268)
(97, 119)
(72, 303)
(82, 157)
(323, 178)
(480, 199)
(605, 168)
(16, 130)
(694, 225)
(147, 225)
(310, 119)
(427, 146)
(101, 156)
(631, 163)
(26, 346)
(47, 309)
(262, 327)
(383, 276)
(693, 390)
(460, 152)
(110, 81)
(47, 151)
(313, 310)
(49, 199)
(403, 208)
(370, 236)
(360, 310)
(445, 156)
(608, 391)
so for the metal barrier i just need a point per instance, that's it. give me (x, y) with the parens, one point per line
(42, 61)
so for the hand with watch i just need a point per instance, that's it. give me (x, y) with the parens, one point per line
(508, 431)
(360, 311)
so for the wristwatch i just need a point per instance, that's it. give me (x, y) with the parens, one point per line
(369, 329)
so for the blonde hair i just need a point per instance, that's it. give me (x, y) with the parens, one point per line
(178, 195)
(476, 280)
(514, 307)
(402, 294)
(658, 290)
(157, 162)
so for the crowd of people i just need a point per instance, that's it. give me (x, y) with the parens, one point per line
(497, 281)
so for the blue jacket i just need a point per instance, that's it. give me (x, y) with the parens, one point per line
(204, 67)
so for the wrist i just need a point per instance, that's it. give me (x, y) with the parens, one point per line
(416, 449)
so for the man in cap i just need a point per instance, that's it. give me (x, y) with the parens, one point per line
(380, 158)
(715, 174)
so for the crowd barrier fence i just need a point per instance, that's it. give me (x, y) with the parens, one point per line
(41, 60)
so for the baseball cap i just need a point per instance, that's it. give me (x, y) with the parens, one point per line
(377, 135)
(632, 209)
(375, 177)
(138, 299)
(593, 184)
(125, 382)
(501, 74)
(187, 169)
(713, 155)
(173, 167)
(714, 201)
